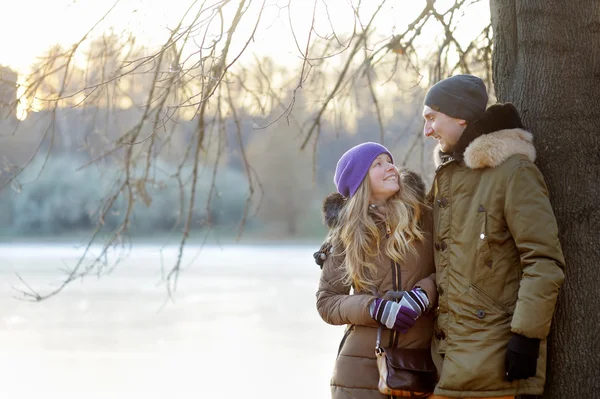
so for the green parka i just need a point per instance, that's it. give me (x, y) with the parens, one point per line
(499, 264)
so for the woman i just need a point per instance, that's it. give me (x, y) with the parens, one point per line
(379, 241)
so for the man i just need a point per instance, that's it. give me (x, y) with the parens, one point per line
(499, 264)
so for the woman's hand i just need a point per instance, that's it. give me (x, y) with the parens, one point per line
(400, 316)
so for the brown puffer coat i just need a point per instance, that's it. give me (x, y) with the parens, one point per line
(355, 373)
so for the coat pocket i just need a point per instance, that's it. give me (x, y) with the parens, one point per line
(481, 315)
(484, 253)
(474, 307)
(489, 301)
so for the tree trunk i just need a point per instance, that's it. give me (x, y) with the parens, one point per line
(547, 62)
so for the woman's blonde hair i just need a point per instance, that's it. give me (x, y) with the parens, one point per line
(360, 230)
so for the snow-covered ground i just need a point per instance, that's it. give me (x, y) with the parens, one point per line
(242, 323)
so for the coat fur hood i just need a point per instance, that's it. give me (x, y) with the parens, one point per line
(490, 140)
(334, 202)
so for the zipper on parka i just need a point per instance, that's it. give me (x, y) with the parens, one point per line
(343, 341)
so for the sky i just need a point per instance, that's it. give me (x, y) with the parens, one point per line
(29, 27)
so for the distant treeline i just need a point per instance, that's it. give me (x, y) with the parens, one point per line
(61, 194)
(63, 198)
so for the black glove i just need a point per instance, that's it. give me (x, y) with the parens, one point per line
(320, 258)
(521, 357)
(321, 254)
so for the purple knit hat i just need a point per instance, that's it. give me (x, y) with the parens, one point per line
(353, 166)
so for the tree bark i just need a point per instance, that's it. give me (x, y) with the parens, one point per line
(546, 61)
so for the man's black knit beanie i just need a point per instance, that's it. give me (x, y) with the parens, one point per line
(460, 96)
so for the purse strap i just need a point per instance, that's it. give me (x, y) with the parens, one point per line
(378, 349)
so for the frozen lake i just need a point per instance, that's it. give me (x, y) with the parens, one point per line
(243, 322)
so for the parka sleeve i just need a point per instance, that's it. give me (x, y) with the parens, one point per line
(335, 304)
(532, 223)
(426, 261)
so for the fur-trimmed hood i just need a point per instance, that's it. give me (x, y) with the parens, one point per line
(491, 139)
(334, 202)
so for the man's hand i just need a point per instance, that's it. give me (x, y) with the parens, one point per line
(521, 357)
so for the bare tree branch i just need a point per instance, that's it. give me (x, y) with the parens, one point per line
(205, 74)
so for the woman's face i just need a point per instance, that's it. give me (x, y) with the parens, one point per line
(384, 179)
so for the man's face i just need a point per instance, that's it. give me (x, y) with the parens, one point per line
(445, 129)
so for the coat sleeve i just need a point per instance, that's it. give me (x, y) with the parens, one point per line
(428, 285)
(335, 304)
(532, 223)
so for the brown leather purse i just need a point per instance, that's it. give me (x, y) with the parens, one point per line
(405, 372)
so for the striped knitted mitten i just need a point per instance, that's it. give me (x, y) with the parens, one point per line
(400, 316)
